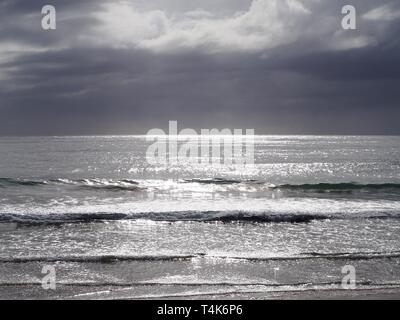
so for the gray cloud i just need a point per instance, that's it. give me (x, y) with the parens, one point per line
(277, 66)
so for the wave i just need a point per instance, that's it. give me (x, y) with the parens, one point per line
(6, 182)
(326, 256)
(184, 257)
(258, 289)
(312, 187)
(95, 184)
(188, 216)
(323, 187)
(219, 181)
(267, 218)
(129, 184)
(328, 285)
(239, 216)
(96, 259)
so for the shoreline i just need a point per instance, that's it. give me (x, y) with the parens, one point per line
(187, 292)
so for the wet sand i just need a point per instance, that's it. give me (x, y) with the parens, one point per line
(173, 292)
(203, 279)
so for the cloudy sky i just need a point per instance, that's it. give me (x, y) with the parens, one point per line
(124, 67)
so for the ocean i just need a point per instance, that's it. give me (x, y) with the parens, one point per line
(113, 226)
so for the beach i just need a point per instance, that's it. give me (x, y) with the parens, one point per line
(193, 279)
(90, 216)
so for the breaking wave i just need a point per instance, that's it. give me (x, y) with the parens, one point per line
(183, 257)
(305, 187)
(195, 216)
(129, 184)
(183, 216)
(340, 187)
(100, 184)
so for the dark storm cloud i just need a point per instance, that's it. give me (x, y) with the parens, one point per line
(80, 79)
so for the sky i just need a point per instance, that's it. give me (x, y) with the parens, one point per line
(125, 67)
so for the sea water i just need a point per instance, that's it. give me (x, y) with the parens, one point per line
(113, 225)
